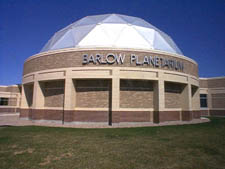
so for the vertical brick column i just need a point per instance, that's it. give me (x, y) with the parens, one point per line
(186, 100)
(24, 102)
(69, 102)
(69, 97)
(115, 105)
(25, 96)
(195, 103)
(38, 96)
(18, 100)
(159, 97)
(209, 101)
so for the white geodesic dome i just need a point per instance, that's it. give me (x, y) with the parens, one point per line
(111, 31)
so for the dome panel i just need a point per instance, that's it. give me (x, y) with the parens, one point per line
(95, 38)
(80, 32)
(161, 44)
(66, 41)
(114, 19)
(112, 30)
(147, 34)
(135, 41)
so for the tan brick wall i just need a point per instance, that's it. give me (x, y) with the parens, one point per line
(218, 100)
(195, 98)
(172, 100)
(136, 94)
(212, 83)
(12, 102)
(136, 99)
(3, 89)
(74, 59)
(13, 89)
(173, 95)
(203, 83)
(53, 93)
(54, 98)
(92, 93)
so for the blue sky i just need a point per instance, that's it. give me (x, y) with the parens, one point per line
(196, 26)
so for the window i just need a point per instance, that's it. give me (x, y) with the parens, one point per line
(4, 101)
(203, 100)
(173, 87)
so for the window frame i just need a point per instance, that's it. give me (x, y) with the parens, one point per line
(4, 101)
(203, 101)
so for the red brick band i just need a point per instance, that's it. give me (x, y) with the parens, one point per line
(107, 116)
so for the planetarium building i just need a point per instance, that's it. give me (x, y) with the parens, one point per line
(110, 69)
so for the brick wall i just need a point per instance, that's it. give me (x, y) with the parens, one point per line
(169, 116)
(173, 95)
(134, 116)
(74, 59)
(13, 89)
(8, 110)
(203, 83)
(195, 98)
(218, 100)
(106, 116)
(53, 93)
(217, 112)
(212, 83)
(3, 89)
(12, 102)
(136, 94)
(86, 116)
(92, 93)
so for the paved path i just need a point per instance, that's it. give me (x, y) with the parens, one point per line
(7, 119)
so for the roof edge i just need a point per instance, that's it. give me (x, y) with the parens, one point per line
(209, 78)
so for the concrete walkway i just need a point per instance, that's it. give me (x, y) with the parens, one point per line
(12, 119)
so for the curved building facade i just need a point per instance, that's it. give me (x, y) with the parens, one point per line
(110, 69)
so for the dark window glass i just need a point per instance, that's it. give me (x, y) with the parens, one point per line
(136, 85)
(4, 101)
(203, 100)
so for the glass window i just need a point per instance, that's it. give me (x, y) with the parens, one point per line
(203, 100)
(4, 101)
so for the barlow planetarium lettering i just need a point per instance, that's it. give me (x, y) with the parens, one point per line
(152, 61)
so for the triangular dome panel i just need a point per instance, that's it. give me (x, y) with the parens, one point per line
(114, 19)
(136, 40)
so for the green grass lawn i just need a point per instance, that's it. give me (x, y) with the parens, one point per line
(188, 146)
